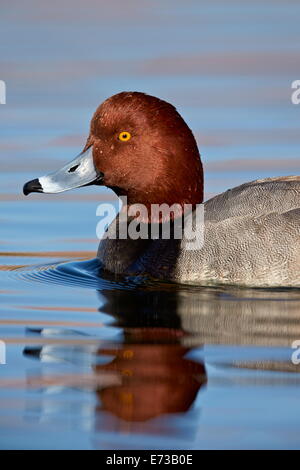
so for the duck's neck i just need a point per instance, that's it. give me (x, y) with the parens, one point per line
(166, 202)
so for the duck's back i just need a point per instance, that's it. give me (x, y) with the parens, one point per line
(252, 237)
(254, 199)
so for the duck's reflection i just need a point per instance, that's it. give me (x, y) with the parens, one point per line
(145, 375)
(154, 379)
(155, 375)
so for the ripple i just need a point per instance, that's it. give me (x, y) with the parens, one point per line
(85, 274)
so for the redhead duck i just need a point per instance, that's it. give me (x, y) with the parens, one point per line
(140, 147)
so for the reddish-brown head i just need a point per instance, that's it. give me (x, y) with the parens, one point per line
(139, 146)
(146, 151)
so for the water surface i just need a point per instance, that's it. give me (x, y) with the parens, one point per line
(98, 363)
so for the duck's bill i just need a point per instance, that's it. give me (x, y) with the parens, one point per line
(79, 172)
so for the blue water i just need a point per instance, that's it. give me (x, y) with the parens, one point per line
(98, 363)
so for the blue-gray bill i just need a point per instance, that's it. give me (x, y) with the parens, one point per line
(79, 172)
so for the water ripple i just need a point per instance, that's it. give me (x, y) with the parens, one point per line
(86, 274)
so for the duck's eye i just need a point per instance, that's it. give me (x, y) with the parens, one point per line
(124, 136)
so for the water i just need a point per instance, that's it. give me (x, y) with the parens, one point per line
(94, 362)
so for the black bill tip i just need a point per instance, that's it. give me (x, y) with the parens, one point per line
(32, 186)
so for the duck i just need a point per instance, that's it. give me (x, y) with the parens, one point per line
(140, 147)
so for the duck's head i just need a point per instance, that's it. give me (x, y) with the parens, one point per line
(140, 147)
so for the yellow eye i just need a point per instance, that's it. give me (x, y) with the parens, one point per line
(124, 136)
